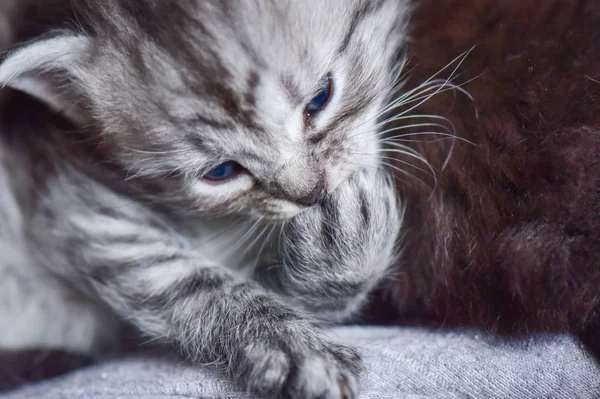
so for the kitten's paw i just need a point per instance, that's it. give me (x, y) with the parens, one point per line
(321, 375)
(330, 372)
(337, 251)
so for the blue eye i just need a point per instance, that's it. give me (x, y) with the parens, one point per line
(321, 99)
(223, 172)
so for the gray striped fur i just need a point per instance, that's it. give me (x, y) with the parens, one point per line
(105, 218)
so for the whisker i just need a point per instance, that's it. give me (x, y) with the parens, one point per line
(396, 159)
(407, 163)
(450, 87)
(400, 170)
(424, 97)
(402, 99)
(417, 91)
(394, 167)
(447, 135)
(592, 79)
(245, 237)
(450, 128)
(405, 150)
(432, 79)
(438, 140)
(225, 229)
(414, 116)
(464, 55)
(428, 81)
(414, 152)
(256, 239)
(281, 238)
(266, 241)
(411, 126)
(431, 172)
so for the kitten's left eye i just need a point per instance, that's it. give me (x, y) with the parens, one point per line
(319, 102)
(223, 172)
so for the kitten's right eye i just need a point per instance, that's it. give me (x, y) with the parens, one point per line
(320, 101)
(223, 173)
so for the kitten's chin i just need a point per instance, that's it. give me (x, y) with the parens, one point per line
(282, 210)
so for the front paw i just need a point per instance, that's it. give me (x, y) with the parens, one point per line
(326, 371)
(337, 251)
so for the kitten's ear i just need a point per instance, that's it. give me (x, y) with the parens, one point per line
(47, 70)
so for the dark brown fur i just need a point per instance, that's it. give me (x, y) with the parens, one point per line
(22, 367)
(510, 239)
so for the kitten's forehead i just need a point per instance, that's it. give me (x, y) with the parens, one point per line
(223, 51)
(265, 33)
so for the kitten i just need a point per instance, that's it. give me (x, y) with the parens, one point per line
(509, 240)
(208, 171)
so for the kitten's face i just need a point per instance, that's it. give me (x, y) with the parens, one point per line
(260, 106)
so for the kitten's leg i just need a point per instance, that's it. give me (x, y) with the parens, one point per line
(215, 317)
(336, 252)
(150, 277)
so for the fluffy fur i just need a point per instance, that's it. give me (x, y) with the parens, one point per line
(106, 212)
(509, 238)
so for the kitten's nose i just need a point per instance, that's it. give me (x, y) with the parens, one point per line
(314, 196)
(302, 196)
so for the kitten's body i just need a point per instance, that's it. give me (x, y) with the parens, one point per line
(107, 215)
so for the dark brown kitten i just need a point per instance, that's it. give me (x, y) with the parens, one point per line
(510, 238)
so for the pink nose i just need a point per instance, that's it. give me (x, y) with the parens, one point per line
(303, 196)
(314, 196)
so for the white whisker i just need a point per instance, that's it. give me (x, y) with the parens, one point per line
(407, 163)
(256, 239)
(405, 97)
(592, 79)
(417, 91)
(446, 135)
(421, 98)
(266, 241)
(449, 128)
(281, 238)
(400, 170)
(411, 126)
(397, 160)
(419, 157)
(246, 236)
(424, 97)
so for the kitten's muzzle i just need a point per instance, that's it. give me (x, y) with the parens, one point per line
(306, 198)
(314, 196)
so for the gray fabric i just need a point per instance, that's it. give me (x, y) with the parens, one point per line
(402, 363)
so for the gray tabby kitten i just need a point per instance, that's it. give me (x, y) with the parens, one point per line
(198, 125)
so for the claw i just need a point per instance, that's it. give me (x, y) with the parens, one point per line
(363, 368)
(345, 389)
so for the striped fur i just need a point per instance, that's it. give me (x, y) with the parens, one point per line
(107, 213)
